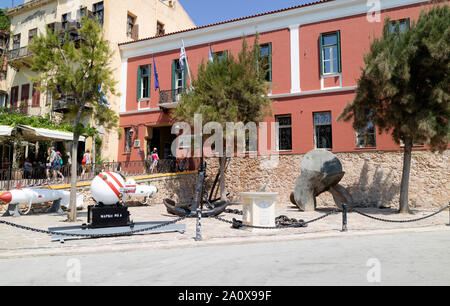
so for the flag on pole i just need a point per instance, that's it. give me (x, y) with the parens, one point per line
(182, 57)
(155, 72)
(184, 60)
(211, 58)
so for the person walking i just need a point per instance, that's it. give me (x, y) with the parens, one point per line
(54, 164)
(155, 159)
(86, 163)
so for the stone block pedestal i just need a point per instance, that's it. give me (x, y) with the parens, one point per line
(259, 208)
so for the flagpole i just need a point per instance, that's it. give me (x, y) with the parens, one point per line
(187, 64)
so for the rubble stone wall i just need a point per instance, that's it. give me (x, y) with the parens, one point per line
(372, 178)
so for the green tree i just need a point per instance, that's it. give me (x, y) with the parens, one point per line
(404, 87)
(4, 21)
(229, 89)
(77, 68)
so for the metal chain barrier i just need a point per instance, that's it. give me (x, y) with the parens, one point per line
(401, 221)
(27, 228)
(282, 222)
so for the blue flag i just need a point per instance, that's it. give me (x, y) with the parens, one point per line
(156, 75)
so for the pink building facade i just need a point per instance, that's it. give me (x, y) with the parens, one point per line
(315, 52)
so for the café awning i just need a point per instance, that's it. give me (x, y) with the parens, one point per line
(33, 134)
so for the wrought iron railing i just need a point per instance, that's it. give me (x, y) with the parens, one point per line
(19, 53)
(41, 175)
(170, 96)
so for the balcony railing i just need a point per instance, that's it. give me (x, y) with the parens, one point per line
(62, 104)
(39, 175)
(19, 53)
(169, 98)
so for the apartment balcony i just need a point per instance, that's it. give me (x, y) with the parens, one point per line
(18, 58)
(62, 104)
(170, 98)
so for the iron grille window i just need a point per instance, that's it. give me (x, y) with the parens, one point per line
(366, 137)
(284, 132)
(399, 26)
(322, 130)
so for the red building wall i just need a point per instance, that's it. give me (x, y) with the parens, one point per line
(356, 35)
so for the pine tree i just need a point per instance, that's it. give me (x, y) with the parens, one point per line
(229, 89)
(77, 68)
(404, 87)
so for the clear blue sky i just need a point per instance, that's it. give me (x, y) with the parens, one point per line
(205, 12)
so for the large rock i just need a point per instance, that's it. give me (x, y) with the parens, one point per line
(320, 170)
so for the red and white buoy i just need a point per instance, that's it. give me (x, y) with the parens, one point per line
(107, 188)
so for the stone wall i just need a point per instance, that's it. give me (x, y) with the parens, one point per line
(372, 178)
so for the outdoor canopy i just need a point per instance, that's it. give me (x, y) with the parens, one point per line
(37, 134)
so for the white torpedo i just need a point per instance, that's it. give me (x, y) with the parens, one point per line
(32, 196)
(140, 191)
(109, 188)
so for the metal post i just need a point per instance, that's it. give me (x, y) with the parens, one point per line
(448, 217)
(198, 232)
(344, 218)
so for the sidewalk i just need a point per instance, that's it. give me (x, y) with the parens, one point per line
(19, 243)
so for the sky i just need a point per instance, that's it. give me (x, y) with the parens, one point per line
(205, 12)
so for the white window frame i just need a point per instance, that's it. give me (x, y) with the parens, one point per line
(278, 127)
(320, 124)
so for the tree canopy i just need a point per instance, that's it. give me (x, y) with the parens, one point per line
(229, 89)
(404, 86)
(77, 66)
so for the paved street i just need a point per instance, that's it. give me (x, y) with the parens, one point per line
(391, 259)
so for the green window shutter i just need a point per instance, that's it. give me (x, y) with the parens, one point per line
(174, 68)
(185, 74)
(321, 54)
(149, 80)
(408, 23)
(338, 33)
(139, 83)
(270, 62)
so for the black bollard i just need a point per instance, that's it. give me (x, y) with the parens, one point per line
(198, 231)
(344, 218)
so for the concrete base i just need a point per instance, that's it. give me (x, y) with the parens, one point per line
(181, 228)
(259, 208)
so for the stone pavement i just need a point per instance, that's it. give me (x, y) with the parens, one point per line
(19, 243)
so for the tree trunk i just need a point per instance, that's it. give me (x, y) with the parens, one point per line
(223, 188)
(404, 208)
(72, 214)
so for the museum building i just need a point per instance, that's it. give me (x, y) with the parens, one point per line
(315, 52)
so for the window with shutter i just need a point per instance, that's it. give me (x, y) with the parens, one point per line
(36, 97)
(330, 53)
